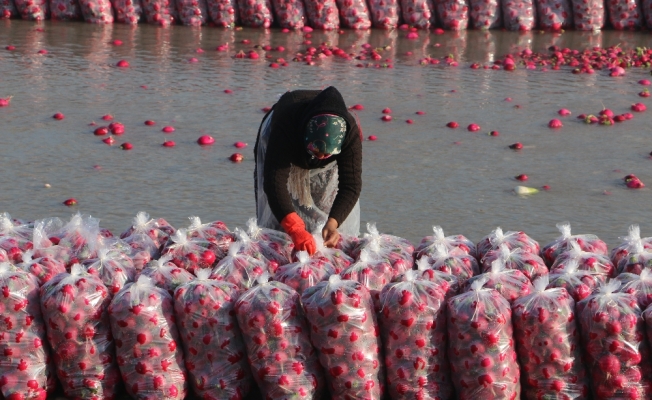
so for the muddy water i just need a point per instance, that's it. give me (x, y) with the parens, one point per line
(414, 175)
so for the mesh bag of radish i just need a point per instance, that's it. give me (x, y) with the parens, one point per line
(8, 9)
(15, 237)
(511, 239)
(33, 10)
(224, 13)
(519, 15)
(588, 243)
(166, 275)
(322, 14)
(640, 286)
(64, 10)
(212, 343)
(282, 360)
(530, 264)
(589, 15)
(304, 273)
(598, 264)
(127, 11)
(274, 245)
(630, 244)
(548, 344)
(240, 269)
(192, 12)
(413, 329)
(625, 14)
(511, 283)
(261, 250)
(481, 345)
(114, 268)
(343, 328)
(428, 244)
(75, 308)
(96, 11)
(147, 343)
(24, 369)
(80, 238)
(384, 14)
(485, 14)
(354, 14)
(453, 13)
(613, 333)
(290, 14)
(555, 14)
(192, 253)
(578, 283)
(397, 251)
(159, 12)
(639, 259)
(449, 284)
(454, 262)
(327, 255)
(256, 13)
(146, 237)
(419, 14)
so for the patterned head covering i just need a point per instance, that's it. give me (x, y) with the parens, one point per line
(324, 135)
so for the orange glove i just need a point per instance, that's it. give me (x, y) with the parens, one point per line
(296, 228)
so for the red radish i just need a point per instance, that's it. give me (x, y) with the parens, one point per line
(628, 115)
(199, 51)
(639, 107)
(545, 187)
(43, 51)
(168, 129)
(606, 112)
(452, 124)
(70, 202)
(521, 177)
(205, 140)
(236, 157)
(516, 146)
(508, 99)
(107, 117)
(617, 71)
(555, 123)
(274, 65)
(110, 140)
(117, 128)
(409, 121)
(635, 184)
(386, 118)
(58, 116)
(240, 145)
(149, 122)
(101, 131)
(564, 112)
(473, 127)
(494, 133)
(117, 42)
(372, 137)
(644, 82)
(193, 60)
(357, 107)
(126, 146)
(228, 91)
(420, 112)
(280, 48)
(387, 111)
(644, 93)
(10, 48)
(412, 35)
(5, 102)
(252, 55)
(169, 143)
(122, 64)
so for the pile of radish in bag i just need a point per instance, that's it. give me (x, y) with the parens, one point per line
(202, 310)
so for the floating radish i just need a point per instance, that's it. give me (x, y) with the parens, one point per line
(413, 329)
(147, 342)
(278, 342)
(214, 351)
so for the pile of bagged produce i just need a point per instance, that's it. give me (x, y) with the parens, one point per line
(160, 313)
(516, 15)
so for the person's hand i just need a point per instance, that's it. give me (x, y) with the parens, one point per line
(330, 233)
(296, 228)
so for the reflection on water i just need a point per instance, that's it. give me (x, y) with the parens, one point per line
(415, 176)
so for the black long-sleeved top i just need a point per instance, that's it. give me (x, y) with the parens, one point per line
(286, 146)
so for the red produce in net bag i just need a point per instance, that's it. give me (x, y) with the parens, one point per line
(224, 13)
(613, 333)
(347, 243)
(589, 15)
(428, 243)
(418, 13)
(279, 243)
(147, 342)
(305, 273)
(530, 264)
(159, 12)
(511, 283)
(625, 14)
(215, 232)
(638, 260)
(15, 238)
(337, 258)
(192, 12)
(481, 346)
(65, 10)
(212, 343)
(519, 15)
(166, 275)
(578, 283)
(261, 250)
(413, 328)
(454, 262)
(548, 344)
(629, 244)
(256, 13)
(127, 11)
(282, 360)
(485, 14)
(511, 239)
(159, 230)
(344, 330)
(81, 237)
(8, 9)
(384, 14)
(454, 14)
(646, 5)
(590, 243)
(239, 269)
(33, 10)
(290, 14)
(24, 372)
(75, 308)
(599, 264)
(13, 227)
(3, 256)
(354, 14)
(43, 268)
(555, 14)
(322, 14)
(640, 286)
(96, 11)
(372, 273)
(114, 269)
(447, 283)
(191, 253)
(396, 250)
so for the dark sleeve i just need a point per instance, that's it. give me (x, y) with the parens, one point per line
(349, 165)
(277, 171)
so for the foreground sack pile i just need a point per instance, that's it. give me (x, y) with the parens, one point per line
(163, 313)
